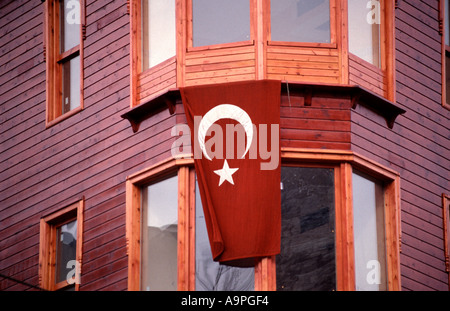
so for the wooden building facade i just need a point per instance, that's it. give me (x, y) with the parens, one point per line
(81, 168)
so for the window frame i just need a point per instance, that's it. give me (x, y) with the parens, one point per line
(345, 162)
(333, 29)
(186, 234)
(386, 70)
(55, 60)
(154, 73)
(47, 245)
(445, 51)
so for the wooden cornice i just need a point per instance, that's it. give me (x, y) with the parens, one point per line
(357, 94)
(145, 110)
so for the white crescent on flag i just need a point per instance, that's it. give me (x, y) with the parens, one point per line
(225, 111)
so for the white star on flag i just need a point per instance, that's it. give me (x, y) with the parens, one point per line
(226, 173)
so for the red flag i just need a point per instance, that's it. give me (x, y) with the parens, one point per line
(238, 166)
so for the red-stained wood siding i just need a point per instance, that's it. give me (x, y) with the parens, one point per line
(90, 154)
(367, 75)
(323, 125)
(418, 147)
(157, 80)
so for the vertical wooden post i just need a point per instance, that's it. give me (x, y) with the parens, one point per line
(342, 33)
(344, 229)
(133, 203)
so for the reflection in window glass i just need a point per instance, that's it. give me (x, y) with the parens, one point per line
(69, 24)
(364, 30)
(158, 31)
(300, 20)
(159, 235)
(307, 258)
(210, 275)
(218, 21)
(66, 248)
(368, 227)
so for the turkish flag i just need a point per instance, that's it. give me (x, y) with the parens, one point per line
(235, 134)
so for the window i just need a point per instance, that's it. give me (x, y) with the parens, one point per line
(369, 233)
(174, 253)
(217, 22)
(300, 21)
(445, 16)
(153, 49)
(158, 32)
(159, 235)
(60, 248)
(364, 20)
(64, 58)
(340, 224)
(308, 259)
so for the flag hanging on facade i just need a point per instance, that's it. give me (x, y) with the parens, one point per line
(235, 134)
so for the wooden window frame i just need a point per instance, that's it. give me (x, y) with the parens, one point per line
(189, 32)
(387, 45)
(333, 29)
(345, 162)
(186, 205)
(155, 72)
(47, 245)
(445, 50)
(54, 60)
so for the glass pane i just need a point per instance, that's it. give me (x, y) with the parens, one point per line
(66, 248)
(71, 84)
(368, 226)
(364, 30)
(69, 24)
(300, 20)
(158, 32)
(447, 22)
(210, 275)
(307, 258)
(218, 21)
(159, 235)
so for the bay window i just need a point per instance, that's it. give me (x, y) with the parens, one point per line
(340, 228)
